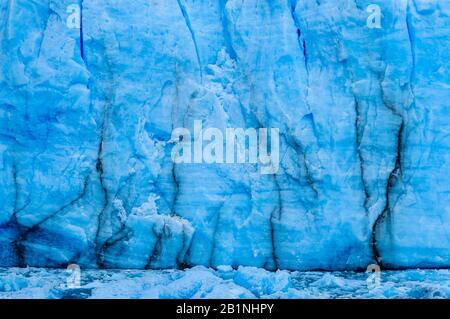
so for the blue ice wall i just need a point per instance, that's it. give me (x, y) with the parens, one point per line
(87, 112)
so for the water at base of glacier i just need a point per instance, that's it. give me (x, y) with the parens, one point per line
(201, 282)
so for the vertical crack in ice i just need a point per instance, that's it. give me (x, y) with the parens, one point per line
(277, 211)
(176, 192)
(411, 37)
(302, 45)
(216, 228)
(182, 254)
(121, 234)
(81, 31)
(181, 261)
(8, 20)
(213, 248)
(275, 216)
(298, 148)
(359, 133)
(300, 38)
(175, 180)
(392, 180)
(191, 30)
(308, 175)
(17, 244)
(99, 168)
(157, 248)
(359, 129)
(226, 31)
(393, 176)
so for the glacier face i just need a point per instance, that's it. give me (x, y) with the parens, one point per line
(87, 113)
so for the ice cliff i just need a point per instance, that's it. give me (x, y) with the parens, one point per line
(87, 112)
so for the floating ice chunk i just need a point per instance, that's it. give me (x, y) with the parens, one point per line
(262, 282)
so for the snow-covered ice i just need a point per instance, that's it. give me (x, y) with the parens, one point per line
(201, 282)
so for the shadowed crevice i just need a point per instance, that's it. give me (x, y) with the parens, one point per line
(81, 31)
(191, 30)
(359, 130)
(395, 174)
(99, 248)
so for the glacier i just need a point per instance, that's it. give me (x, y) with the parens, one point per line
(87, 112)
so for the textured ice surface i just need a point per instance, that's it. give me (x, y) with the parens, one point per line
(201, 282)
(86, 117)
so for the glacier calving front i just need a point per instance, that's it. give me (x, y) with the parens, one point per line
(86, 116)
